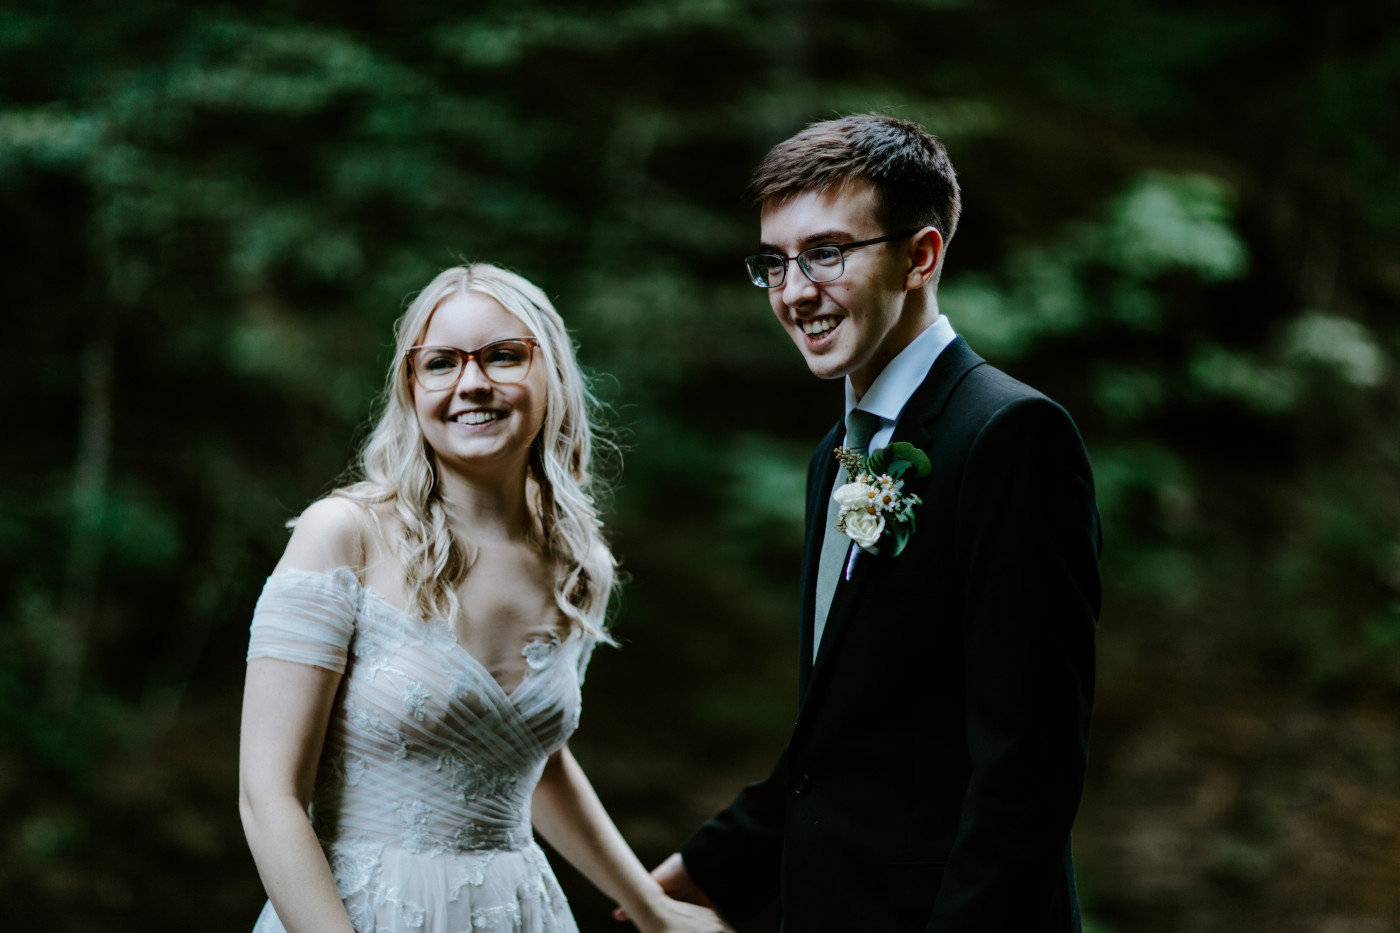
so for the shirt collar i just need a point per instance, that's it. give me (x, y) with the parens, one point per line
(895, 385)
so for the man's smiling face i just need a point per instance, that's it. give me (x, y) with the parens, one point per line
(852, 326)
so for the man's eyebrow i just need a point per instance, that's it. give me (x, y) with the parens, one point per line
(812, 239)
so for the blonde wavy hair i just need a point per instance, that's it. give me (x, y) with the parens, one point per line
(398, 466)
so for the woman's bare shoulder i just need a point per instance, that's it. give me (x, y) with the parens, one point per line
(330, 533)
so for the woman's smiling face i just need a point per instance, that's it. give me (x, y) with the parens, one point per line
(476, 423)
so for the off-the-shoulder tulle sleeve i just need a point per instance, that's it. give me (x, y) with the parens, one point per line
(306, 617)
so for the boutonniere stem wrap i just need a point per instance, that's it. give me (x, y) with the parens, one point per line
(876, 513)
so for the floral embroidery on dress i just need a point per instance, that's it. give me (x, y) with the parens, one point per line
(472, 872)
(369, 722)
(416, 836)
(354, 768)
(343, 770)
(412, 914)
(354, 865)
(491, 918)
(375, 649)
(415, 699)
(361, 917)
(538, 654)
(473, 780)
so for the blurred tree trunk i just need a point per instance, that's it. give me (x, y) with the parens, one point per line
(74, 624)
(79, 605)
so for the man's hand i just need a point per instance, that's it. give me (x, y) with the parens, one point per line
(677, 884)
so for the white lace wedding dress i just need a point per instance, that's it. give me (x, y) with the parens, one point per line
(422, 797)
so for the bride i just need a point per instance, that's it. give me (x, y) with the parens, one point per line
(416, 655)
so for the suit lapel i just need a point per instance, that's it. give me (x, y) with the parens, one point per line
(819, 488)
(929, 400)
(915, 425)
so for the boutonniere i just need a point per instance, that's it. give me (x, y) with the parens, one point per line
(876, 512)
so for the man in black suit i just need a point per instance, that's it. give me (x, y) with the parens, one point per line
(938, 756)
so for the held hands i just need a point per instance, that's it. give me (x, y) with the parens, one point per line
(672, 916)
(684, 907)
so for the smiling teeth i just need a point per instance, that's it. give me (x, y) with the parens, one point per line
(819, 326)
(476, 417)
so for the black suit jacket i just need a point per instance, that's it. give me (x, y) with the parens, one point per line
(939, 751)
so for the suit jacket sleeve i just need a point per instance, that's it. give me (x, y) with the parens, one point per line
(735, 858)
(1027, 544)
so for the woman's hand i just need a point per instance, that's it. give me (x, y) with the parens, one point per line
(675, 880)
(671, 916)
(571, 818)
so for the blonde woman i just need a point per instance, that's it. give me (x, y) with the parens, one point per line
(416, 655)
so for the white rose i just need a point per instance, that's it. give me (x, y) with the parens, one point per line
(853, 496)
(865, 529)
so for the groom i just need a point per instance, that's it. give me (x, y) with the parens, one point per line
(938, 755)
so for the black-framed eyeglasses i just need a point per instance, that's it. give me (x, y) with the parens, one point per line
(819, 263)
(501, 361)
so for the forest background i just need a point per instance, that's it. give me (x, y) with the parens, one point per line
(1181, 222)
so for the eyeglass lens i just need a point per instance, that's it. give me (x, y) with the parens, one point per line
(503, 361)
(820, 264)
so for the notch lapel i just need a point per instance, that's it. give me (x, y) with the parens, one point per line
(819, 488)
(915, 425)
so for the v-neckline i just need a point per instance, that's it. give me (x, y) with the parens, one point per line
(447, 635)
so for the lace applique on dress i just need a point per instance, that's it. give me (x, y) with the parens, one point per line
(366, 720)
(413, 915)
(415, 699)
(343, 770)
(383, 645)
(416, 837)
(473, 780)
(471, 873)
(539, 653)
(354, 865)
(491, 918)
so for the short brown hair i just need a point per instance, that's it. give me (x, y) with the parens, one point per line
(915, 185)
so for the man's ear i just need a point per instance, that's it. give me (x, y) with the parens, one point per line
(925, 251)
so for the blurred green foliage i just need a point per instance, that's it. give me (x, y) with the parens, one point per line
(1181, 220)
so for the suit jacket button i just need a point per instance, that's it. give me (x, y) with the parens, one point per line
(803, 785)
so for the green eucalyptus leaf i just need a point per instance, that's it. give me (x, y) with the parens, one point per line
(903, 450)
(878, 461)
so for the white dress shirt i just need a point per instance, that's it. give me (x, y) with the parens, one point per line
(893, 388)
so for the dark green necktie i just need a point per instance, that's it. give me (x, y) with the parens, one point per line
(860, 428)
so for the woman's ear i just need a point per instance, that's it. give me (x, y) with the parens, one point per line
(925, 252)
